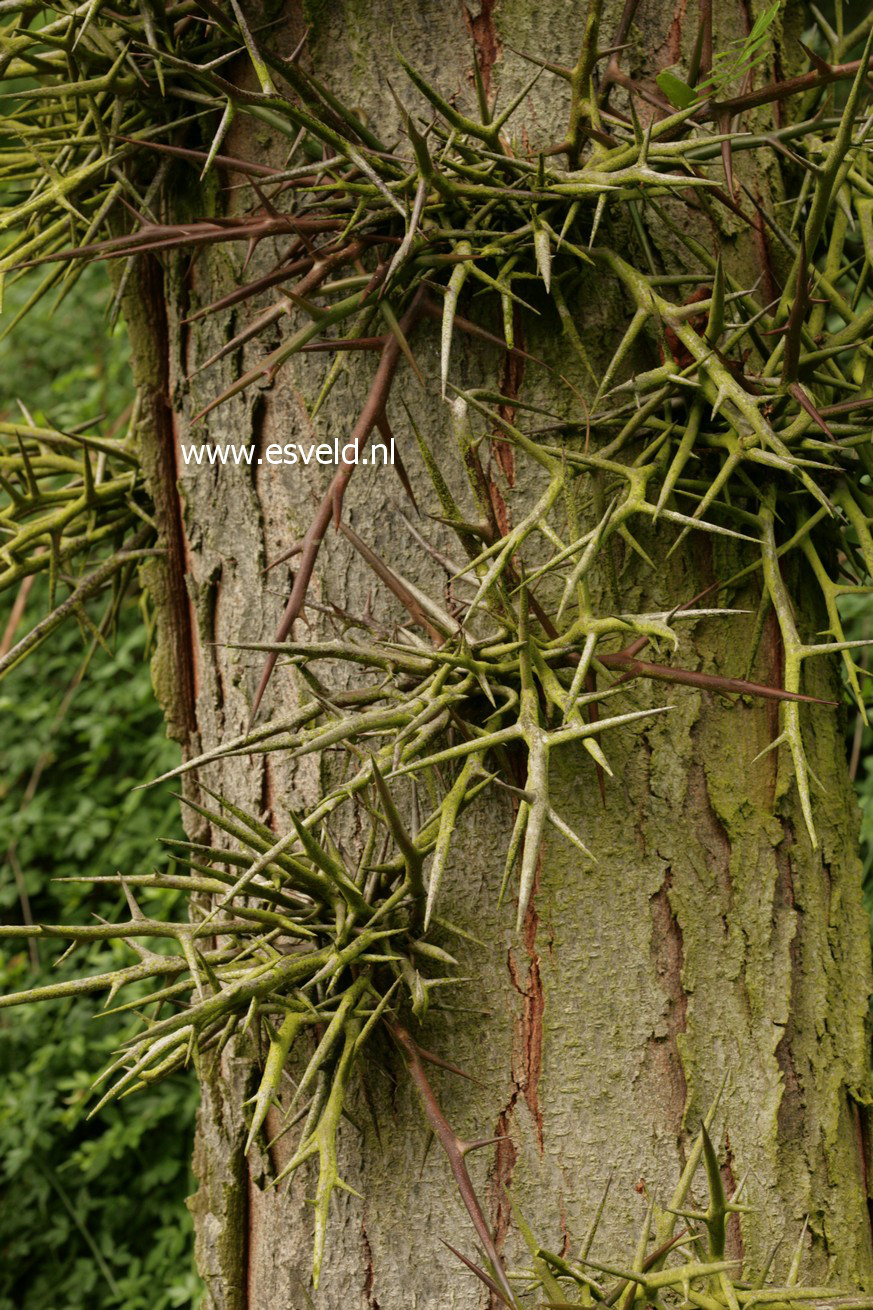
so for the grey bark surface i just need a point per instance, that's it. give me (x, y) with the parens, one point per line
(708, 940)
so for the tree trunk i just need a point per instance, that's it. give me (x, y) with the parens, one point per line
(707, 945)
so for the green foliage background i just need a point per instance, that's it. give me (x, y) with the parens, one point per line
(91, 1213)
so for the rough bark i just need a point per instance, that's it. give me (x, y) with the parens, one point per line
(707, 940)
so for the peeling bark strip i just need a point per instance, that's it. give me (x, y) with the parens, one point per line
(145, 310)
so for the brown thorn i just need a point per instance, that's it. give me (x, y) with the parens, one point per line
(432, 310)
(331, 504)
(782, 90)
(286, 555)
(724, 127)
(394, 584)
(451, 1144)
(805, 403)
(618, 41)
(636, 646)
(250, 289)
(345, 344)
(399, 467)
(705, 681)
(182, 152)
(440, 1063)
(819, 64)
(480, 1273)
(481, 1142)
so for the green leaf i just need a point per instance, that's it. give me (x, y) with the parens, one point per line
(763, 21)
(679, 93)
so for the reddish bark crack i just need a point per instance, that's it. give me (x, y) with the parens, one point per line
(267, 794)
(510, 385)
(668, 953)
(792, 1103)
(532, 1019)
(527, 1063)
(772, 290)
(734, 1247)
(499, 507)
(673, 43)
(369, 1271)
(506, 1156)
(483, 30)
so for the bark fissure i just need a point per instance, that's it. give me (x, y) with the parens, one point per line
(369, 1270)
(733, 1231)
(510, 386)
(527, 1060)
(505, 1159)
(250, 1238)
(861, 1118)
(532, 1020)
(525, 1072)
(668, 956)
